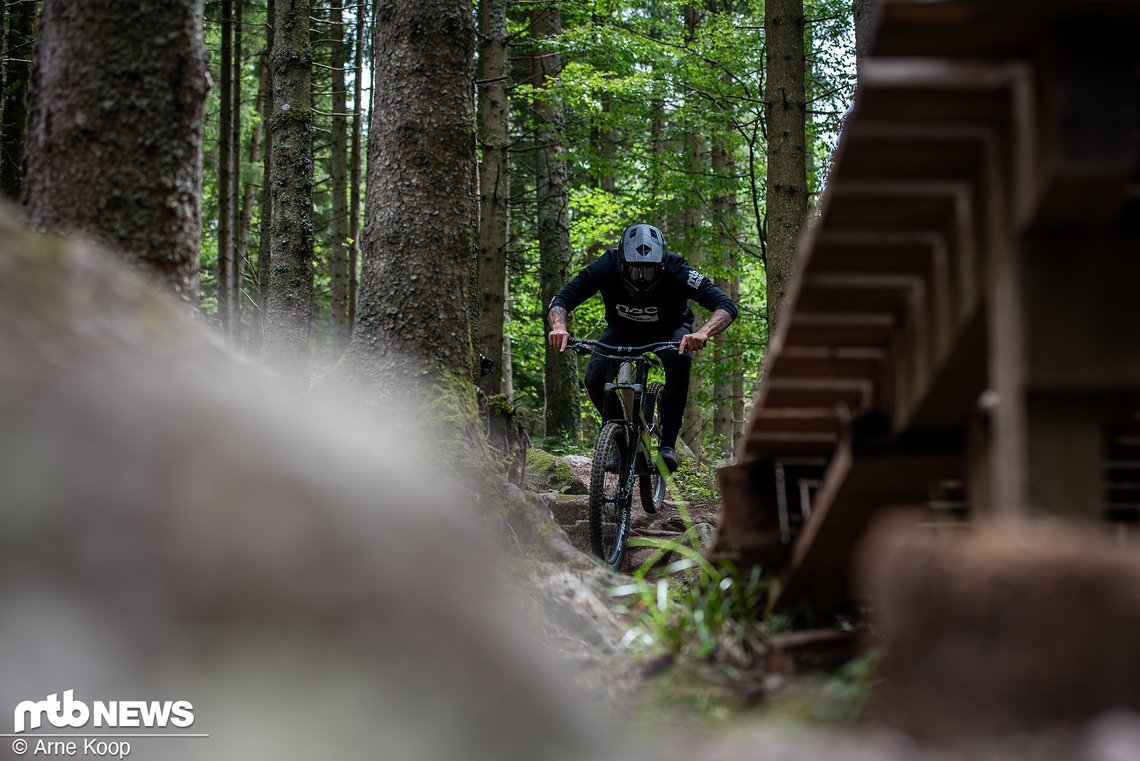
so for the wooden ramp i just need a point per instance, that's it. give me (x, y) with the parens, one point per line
(963, 330)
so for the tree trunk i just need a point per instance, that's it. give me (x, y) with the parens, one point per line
(237, 265)
(508, 360)
(724, 211)
(494, 189)
(338, 224)
(265, 234)
(419, 234)
(21, 40)
(354, 172)
(288, 310)
(737, 379)
(560, 370)
(785, 111)
(725, 214)
(245, 219)
(225, 171)
(692, 429)
(115, 148)
(863, 12)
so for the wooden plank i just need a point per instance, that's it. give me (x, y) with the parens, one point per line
(805, 419)
(984, 28)
(781, 444)
(889, 252)
(853, 493)
(838, 329)
(814, 393)
(912, 151)
(883, 294)
(856, 205)
(929, 91)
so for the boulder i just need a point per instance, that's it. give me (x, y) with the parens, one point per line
(1013, 627)
(546, 472)
(176, 526)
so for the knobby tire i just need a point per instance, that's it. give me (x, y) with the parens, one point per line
(609, 521)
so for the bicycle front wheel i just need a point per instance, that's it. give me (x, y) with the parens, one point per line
(609, 497)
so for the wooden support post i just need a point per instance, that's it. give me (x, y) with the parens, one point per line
(1063, 319)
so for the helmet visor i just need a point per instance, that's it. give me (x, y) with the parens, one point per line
(642, 274)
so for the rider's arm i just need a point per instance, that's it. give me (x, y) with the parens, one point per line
(558, 337)
(716, 324)
(584, 285)
(705, 292)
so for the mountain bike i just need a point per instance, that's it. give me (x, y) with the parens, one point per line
(627, 444)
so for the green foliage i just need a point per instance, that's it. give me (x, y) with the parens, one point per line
(633, 84)
(694, 606)
(697, 481)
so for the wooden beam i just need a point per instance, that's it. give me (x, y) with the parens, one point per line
(854, 491)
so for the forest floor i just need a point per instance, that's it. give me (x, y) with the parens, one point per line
(754, 688)
(653, 672)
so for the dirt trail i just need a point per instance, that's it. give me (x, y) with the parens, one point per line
(570, 510)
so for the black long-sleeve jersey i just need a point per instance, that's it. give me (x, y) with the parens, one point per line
(660, 313)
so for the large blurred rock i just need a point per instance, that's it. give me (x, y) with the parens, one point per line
(173, 526)
(1013, 627)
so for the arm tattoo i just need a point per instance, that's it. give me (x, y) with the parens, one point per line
(557, 317)
(718, 322)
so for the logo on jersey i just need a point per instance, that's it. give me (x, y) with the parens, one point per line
(638, 314)
(696, 279)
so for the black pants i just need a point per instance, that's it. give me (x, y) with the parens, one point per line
(676, 391)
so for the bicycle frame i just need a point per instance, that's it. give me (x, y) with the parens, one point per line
(628, 367)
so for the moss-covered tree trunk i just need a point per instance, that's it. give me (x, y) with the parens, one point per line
(288, 309)
(494, 188)
(115, 130)
(18, 53)
(785, 111)
(560, 371)
(420, 214)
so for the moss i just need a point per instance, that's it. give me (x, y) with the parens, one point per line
(539, 460)
(500, 404)
(547, 472)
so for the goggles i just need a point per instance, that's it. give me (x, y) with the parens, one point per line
(641, 273)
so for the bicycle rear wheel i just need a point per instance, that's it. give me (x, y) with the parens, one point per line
(609, 499)
(650, 484)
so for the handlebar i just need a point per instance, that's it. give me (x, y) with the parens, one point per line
(584, 347)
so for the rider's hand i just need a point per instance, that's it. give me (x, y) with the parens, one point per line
(693, 342)
(558, 338)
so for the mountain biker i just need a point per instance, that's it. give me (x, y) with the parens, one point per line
(646, 290)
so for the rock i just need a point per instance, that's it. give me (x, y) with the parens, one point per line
(579, 534)
(567, 509)
(1013, 627)
(174, 525)
(547, 473)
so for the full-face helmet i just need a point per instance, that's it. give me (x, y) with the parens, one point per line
(641, 252)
